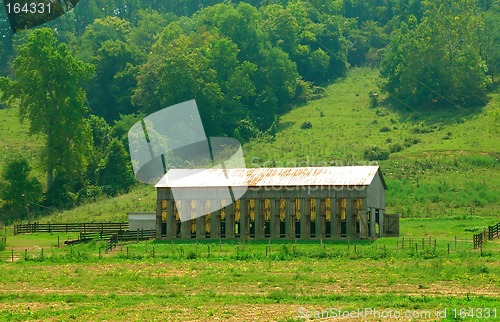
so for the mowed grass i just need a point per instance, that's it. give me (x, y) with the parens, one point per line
(255, 280)
(232, 282)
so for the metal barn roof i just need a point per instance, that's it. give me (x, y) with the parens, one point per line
(262, 177)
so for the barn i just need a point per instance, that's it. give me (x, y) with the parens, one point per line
(307, 202)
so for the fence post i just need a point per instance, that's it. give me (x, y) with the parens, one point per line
(455, 242)
(12, 256)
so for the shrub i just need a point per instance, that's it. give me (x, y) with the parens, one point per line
(411, 141)
(306, 125)
(375, 153)
(395, 148)
(385, 129)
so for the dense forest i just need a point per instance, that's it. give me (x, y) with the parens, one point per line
(82, 80)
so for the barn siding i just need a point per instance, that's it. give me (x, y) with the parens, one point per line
(375, 193)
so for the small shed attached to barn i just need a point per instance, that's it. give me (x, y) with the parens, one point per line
(309, 202)
(141, 220)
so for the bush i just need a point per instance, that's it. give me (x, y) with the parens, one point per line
(411, 141)
(376, 153)
(89, 193)
(306, 125)
(395, 148)
(385, 129)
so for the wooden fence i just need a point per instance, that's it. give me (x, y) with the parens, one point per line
(112, 239)
(423, 242)
(77, 227)
(491, 233)
(494, 231)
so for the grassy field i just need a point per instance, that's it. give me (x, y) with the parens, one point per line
(253, 281)
(256, 280)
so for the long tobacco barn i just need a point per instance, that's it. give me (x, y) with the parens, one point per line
(312, 202)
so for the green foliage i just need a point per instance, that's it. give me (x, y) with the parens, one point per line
(222, 58)
(437, 61)
(48, 85)
(115, 174)
(306, 125)
(375, 153)
(19, 188)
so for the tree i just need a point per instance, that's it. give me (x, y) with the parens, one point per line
(48, 85)
(19, 188)
(115, 173)
(437, 61)
(115, 78)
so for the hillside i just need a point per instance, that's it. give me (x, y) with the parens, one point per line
(443, 162)
(15, 139)
(451, 164)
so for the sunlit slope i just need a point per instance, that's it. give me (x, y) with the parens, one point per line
(441, 162)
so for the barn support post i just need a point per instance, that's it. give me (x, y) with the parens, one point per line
(201, 219)
(244, 219)
(171, 221)
(259, 218)
(320, 220)
(373, 229)
(335, 220)
(215, 222)
(184, 211)
(349, 218)
(381, 222)
(230, 221)
(305, 218)
(289, 218)
(274, 219)
(158, 217)
(363, 220)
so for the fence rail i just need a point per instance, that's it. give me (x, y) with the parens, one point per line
(490, 233)
(494, 231)
(112, 239)
(77, 227)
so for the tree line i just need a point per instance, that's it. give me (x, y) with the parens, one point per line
(85, 78)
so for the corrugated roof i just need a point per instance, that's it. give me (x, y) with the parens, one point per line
(262, 177)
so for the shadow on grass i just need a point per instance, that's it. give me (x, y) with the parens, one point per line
(431, 115)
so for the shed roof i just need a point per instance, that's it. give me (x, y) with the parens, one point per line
(262, 177)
